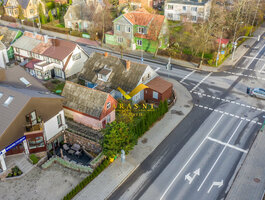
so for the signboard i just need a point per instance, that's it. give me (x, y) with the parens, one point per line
(222, 52)
(84, 35)
(12, 145)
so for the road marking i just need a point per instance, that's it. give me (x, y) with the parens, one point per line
(187, 76)
(239, 74)
(229, 101)
(195, 173)
(218, 184)
(158, 68)
(219, 156)
(191, 157)
(262, 68)
(201, 82)
(255, 56)
(226, 144)
(228, 114)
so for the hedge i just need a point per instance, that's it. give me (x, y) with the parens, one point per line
(34, 159)
(8, 18)
(56, 29)
(87, 180)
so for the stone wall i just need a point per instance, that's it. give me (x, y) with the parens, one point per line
(89, 145)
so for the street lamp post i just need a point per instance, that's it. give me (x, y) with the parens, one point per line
(220, 40)
(235, 43)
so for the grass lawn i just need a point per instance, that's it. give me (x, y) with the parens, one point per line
(55, 85)
(59, 25)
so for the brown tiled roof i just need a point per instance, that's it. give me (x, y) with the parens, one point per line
(154, 28)
(31, 63)
(59, 49)
(158, 84)
(139, 17)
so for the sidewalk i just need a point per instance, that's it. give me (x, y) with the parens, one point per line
(249, 183)
(228, 63)
(102, 186)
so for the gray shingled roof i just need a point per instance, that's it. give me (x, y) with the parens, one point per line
(188, 2)
(23, 3)
(12, 86)
(26, 43)
(84, 99)
(81, 11)
(119, 77)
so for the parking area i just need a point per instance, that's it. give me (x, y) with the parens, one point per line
(49, 184)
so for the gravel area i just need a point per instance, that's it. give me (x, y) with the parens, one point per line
(39, 184)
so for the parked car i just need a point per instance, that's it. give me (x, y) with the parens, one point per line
(256, 92)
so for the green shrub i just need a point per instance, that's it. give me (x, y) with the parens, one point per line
(34, 159)
(76, 33)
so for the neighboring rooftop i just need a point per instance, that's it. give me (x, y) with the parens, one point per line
(83, 99)
(16, 83)
(158, 84)
(7, 36)
(127, 79)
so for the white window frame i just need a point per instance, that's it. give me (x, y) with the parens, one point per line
(141, 28)
(108, 119)
(139, 42)
(192, 18)
(127, 29)
(69, 24)
(59, 121)
(170, 15)
(170, 7)
(108, 105)
(194, 9)
(120, 39)
(117, 25)
(155, 95)
(184, 8)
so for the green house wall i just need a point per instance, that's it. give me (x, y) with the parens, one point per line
(147, 45)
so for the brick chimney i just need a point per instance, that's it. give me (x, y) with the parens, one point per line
(106, 54)
(128, 65)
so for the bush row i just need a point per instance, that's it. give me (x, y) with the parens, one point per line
(87, 180)
(56, 29)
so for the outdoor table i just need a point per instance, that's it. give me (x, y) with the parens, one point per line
(71, 152)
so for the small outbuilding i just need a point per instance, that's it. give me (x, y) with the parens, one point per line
(158, 90)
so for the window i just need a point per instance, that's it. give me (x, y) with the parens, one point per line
(15, 12)
(139, 42)
(8, 101)
(59, 120)
(29, 54)
(118, 27)
(170, 16)
(141, 30)
(108, 119)
(178, 17)
(120, 39)
(69, 24)
(36, 142)
(170, 7)
(1, 94)
(194, 18)
(31, 118)
(85, 25)
(194, 9)
(77, 56)
(137, 97)
(184, 8)
(58, 72)
(31, 11)
(108, 105)
(155, 95)
(128, 29)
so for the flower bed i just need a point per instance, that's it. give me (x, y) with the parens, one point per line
(67, 164)
(15, 171)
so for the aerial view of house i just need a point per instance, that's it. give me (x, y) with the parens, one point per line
(138, 29)
(49, 57)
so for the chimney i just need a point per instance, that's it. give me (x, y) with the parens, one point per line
(106, 54)
(128, 65)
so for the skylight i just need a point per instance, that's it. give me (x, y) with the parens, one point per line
(25, 81)
(8, 101)
(1, 94)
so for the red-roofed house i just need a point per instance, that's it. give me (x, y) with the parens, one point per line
(56, 58)
(138, 29)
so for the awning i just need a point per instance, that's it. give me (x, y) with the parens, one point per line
(24, 63)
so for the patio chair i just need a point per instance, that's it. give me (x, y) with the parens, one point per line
(76, 147)
(78, 153)
(65, 147)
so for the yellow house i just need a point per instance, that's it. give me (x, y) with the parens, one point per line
(28, 7)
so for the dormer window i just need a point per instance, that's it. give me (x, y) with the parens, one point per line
(141, 30)
(108, 105)
(104, 74)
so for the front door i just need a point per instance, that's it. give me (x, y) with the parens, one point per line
(52, 73)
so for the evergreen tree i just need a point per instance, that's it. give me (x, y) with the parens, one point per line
(20, 13)
(50, 16)
(43, 18)
(58, 13)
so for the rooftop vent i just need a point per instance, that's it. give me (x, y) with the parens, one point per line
(8, 101)
(23, 80)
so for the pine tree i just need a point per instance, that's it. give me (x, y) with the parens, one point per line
(58, 13)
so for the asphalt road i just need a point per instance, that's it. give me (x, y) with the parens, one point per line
(201, 156)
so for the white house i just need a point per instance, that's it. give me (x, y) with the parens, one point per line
(3, 55)
(187, 10)
(32, 118)
(46, 57)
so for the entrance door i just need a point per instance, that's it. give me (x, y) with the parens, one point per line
(104, 123)
(52, 73)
